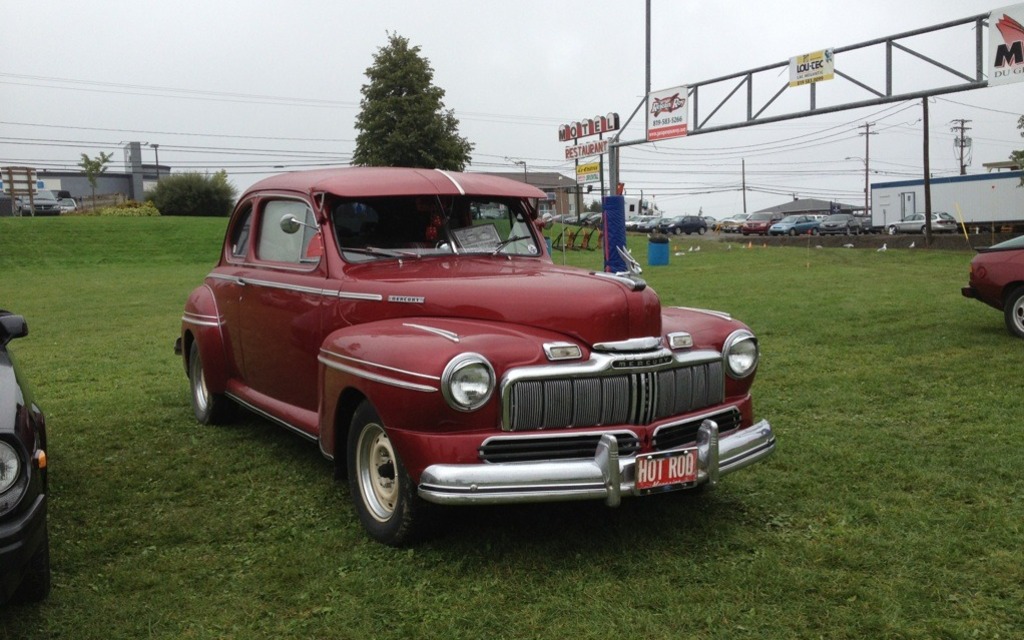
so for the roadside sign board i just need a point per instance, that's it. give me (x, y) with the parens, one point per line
(588, 173)
(1006, 45)
(667, 113)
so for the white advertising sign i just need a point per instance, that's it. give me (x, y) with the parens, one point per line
(1006, 45)
(667, 113)
(812, 67)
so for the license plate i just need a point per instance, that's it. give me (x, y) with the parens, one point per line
(665, 470)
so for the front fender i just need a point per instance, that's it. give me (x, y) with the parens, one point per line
(397, 365)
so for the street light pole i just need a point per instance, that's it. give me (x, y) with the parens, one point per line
(156, 150)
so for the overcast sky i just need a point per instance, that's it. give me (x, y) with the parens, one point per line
(258, 87)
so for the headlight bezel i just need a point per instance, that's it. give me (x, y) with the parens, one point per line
(453, 382)
(741, 339)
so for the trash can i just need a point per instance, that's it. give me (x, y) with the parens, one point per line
(657, 251)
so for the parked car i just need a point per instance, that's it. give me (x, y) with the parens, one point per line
(682, 224)
(42, 203)
(24, 540)
(646, 224)
(68, 205)
(915, 223)
(593, 219)
(759, 223)
(437, 359)
(795, 225)
(840, 224)
(997, 279)
(731, 224)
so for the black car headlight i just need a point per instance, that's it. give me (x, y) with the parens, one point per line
(467, 382)
(741, 354)
(10, 467)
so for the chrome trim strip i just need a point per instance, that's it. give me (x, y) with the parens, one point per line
(366, 375)
(701, 417)
(605, 476)
(629, 346)
(453, 181)
(272, 418)
(201, 320)
(449, 335)
(370, 297)
(634, 284)
(711, 312)
(525, 437)
(379, 366)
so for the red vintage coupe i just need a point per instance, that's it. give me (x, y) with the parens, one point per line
(412, 324)
(997, 279)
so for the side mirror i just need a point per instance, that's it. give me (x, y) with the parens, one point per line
(290, 224)
(12, 327)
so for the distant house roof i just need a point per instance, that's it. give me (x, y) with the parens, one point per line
(808, 205)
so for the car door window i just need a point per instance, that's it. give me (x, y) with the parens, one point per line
(277, 245)
(240, 234)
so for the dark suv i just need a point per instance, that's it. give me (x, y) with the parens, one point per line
(43, 202)
(683, 224)
(24, 542)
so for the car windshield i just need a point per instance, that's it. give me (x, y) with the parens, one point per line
(760, 217)
(417, 226)
(791, 219)
(838, 217)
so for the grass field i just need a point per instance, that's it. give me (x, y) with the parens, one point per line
(893, 507)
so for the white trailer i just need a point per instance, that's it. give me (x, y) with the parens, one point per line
(985, 201)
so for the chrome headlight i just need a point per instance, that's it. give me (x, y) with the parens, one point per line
(10, 467)
(467, 382)
(741, 354)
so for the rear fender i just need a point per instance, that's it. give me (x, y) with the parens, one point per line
(202, 323)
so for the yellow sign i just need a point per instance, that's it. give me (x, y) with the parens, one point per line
(589, 172)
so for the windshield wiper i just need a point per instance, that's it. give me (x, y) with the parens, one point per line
(381, 253)
(507, 242)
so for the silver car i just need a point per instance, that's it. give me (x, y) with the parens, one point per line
(915, 223)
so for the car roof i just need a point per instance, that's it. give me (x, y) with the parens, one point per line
(395, 181)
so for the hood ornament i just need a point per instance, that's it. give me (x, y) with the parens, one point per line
(631, 276)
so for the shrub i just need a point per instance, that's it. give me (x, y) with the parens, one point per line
(194, 194)
(129, 209)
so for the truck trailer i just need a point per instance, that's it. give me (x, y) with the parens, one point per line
(983, 202)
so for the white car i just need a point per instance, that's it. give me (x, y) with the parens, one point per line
(68, 204)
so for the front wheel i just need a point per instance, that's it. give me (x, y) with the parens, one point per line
(701, 231)
(382, 492)
(1013, 311)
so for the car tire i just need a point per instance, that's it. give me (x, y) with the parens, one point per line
(1013, 312)
(676, 231)
(209, 408)
(815, 232)
(892, 230)
(701, 231)
(35, 585)
(792, 232)
(382, 492)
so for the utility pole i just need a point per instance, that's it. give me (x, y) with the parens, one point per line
(962, 142)
(744, 166)
(867, 133)
(927, 174)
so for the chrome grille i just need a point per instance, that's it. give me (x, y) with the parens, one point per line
(678, 435)
(636, 398)
(534, 448)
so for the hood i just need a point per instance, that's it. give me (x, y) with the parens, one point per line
(582, 305)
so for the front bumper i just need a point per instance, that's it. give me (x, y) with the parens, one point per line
(605, 476)
(20, 537)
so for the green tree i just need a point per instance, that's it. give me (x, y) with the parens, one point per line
(1018, 156)
(93, 167)
(194, 194)
(403, 122)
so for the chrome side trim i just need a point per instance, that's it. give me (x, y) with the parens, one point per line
(263, 414)
(606, 476)
(448, 335)
(201, 320)
(370, 297)
(634, 284)
(711, 312)
(376, 377)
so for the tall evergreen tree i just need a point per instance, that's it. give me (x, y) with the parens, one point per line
(403, 122)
